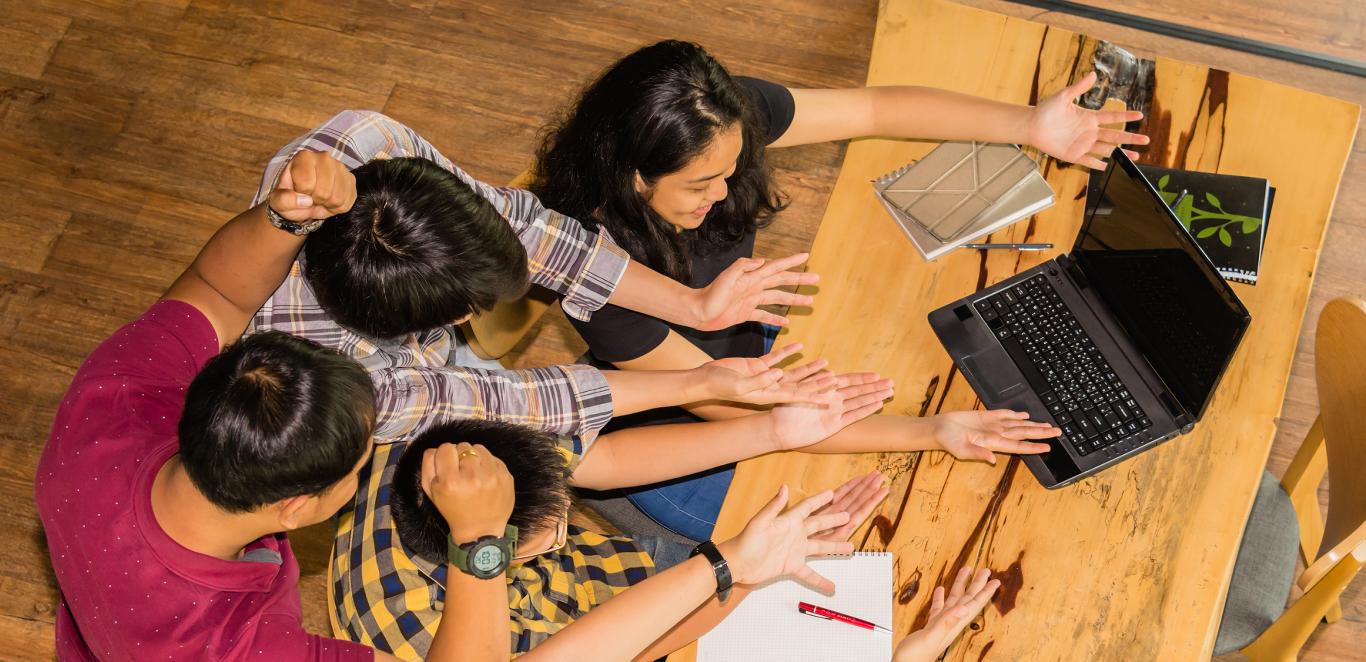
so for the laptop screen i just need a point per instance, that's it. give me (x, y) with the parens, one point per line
(1159, 285)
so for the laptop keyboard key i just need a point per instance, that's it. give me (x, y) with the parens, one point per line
(1081, 390)
(1084, 424)
(1097, 419)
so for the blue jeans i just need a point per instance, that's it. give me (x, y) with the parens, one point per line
(690, 505)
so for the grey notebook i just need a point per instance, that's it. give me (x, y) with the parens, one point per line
(962, 191)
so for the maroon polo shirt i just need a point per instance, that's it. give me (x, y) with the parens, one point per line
(130, 592)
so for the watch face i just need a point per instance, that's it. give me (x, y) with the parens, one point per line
(487, 558)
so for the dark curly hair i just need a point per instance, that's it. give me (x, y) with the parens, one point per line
(540, 480)
(652, 112)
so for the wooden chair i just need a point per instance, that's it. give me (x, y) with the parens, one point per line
(493, 334)
(1256, 621)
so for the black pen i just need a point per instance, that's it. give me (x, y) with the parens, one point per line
(1018, 247)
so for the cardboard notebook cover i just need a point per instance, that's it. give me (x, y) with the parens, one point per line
(961, 191)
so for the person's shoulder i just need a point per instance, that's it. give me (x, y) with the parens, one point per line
(154, 357)
(773, 104)
(172, 339)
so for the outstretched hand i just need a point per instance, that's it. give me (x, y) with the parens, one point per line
(974, 435)
(777, 543)
(948, 616)
(857, 497)
(736, 294)
(755, 381)
(856, 397)
(1068, 132)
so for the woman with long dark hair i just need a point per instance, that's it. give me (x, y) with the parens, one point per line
(666, 152)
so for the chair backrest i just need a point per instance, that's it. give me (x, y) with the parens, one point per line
(1340, 363)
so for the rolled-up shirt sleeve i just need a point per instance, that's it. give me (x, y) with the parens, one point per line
(562, 255)
(563, 400)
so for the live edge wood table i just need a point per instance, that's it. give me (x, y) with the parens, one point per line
(1130, 564)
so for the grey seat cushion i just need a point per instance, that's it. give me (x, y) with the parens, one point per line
(1264, 569)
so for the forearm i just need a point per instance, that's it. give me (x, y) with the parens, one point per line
(645, 455)
(639, 390)
(883, 433)
(625, 625)
(237, 271)
(475, 627)
(648, 292)
(720, 410)
(904, 111)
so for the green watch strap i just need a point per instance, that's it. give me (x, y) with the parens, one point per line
(459, 556)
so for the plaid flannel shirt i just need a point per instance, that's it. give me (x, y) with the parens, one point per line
(382, 594)
(416, 381)
(385, 596)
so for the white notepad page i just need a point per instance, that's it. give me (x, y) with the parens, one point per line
(767, 627)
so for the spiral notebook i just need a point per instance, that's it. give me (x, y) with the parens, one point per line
(767, 627)
(961, 191)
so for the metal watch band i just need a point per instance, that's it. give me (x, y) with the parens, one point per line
(297, 229)
(719, 567)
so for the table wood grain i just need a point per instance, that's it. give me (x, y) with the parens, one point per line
(1130, 564)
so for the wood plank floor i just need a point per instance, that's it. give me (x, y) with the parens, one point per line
(130, 130)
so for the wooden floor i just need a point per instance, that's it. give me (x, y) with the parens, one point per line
(130, 131)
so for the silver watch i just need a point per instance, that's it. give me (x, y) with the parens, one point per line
(298, 229)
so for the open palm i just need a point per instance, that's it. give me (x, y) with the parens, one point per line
(755, 381)
(973, 435)
(857, 497)
(1068, 132)
(738, 293)
(777, 542)
(858, 396)
(950, 612)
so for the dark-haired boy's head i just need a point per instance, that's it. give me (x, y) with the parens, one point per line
(540, 480)
(418, 250)
(274, 417)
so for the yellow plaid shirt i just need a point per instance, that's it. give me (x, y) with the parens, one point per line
(387, 597)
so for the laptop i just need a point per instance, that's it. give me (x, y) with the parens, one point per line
(1120, 343)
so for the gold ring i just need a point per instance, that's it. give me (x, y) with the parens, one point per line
(464, 453)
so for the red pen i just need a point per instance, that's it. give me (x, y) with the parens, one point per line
(829, 615)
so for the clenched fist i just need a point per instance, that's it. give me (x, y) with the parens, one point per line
(471, 489)
(314, 185)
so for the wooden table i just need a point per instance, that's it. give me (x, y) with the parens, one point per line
(1131, 564)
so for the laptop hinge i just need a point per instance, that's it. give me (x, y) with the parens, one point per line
(1074, 271)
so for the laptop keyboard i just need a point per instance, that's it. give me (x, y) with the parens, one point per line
(1087, 400)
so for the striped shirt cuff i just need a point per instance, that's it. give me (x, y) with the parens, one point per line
(594, 398)
(606, 265)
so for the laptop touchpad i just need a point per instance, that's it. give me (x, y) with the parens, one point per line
(994, 374)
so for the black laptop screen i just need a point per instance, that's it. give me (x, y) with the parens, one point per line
(1159, 286)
